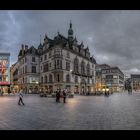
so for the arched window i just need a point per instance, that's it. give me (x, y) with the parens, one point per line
(58, 78)
(42, 79)
(50, 78)
(46, 79)
(67, 78)
(88, 69)
(76, 79)
(82, 67)
(76, 65)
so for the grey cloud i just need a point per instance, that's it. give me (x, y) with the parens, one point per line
(112, 36)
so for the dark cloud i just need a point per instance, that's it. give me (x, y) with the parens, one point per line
(112, 36)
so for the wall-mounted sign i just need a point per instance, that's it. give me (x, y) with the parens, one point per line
(4, 68)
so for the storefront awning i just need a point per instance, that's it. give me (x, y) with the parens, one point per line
(5, 83)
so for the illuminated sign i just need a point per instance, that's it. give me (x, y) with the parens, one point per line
(4, 68)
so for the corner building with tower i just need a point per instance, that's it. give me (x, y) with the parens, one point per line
(59, 63)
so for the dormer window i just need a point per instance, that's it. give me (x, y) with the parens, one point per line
(33, 59)
(33, 51)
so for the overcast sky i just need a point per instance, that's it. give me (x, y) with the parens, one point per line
(113, 37)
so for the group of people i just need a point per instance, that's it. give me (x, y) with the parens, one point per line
(60, 94)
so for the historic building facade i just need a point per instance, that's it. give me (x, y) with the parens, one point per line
(99, 82)
(14, 77)
(113, 78)
(135, 81)
(28, 70)
(59, 63)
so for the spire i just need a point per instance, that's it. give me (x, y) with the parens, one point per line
(58, 32)
(40, 39)
(75, 39)
(70, 32)
(70, 24)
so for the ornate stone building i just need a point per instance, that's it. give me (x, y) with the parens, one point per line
(59, 63)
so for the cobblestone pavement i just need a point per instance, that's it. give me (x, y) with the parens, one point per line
(118, 111)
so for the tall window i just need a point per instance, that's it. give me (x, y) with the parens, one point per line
(46, 68)
(50, 54)
(50, 78)
(41, 59)
(67, 78)
(33, 59)
(88, 81)
(88, 69)
(45, 57)
(68, 66)
(76, 65)
(82, 67)
(25, 68)
(33, 69)
(58, 78)
(42, 79)
(58, 64)
(46, 79)
(49, 64)
(68, 54)
(55, 64)
(76, 79)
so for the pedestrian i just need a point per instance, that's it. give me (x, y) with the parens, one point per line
(64, 96)
(8, 91)
(56, 96)
(20, 98)
(59, 95)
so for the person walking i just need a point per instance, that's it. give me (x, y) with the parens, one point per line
(57, 96)
(20, 98)
(64, 96)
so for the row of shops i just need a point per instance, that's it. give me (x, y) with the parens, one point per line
(50, 88)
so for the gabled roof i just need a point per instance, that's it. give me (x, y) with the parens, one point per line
(40, 46)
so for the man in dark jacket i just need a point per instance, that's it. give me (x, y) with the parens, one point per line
(57, 96)
(64, 96)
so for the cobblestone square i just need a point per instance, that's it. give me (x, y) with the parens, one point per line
(118, 111)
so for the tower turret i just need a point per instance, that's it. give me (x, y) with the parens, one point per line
(70, 32)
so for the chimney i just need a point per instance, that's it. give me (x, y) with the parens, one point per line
(26, 48)
(22, 48)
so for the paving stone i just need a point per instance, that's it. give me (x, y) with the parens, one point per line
(118, 111)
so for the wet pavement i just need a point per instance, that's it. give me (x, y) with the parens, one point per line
(117, 112)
